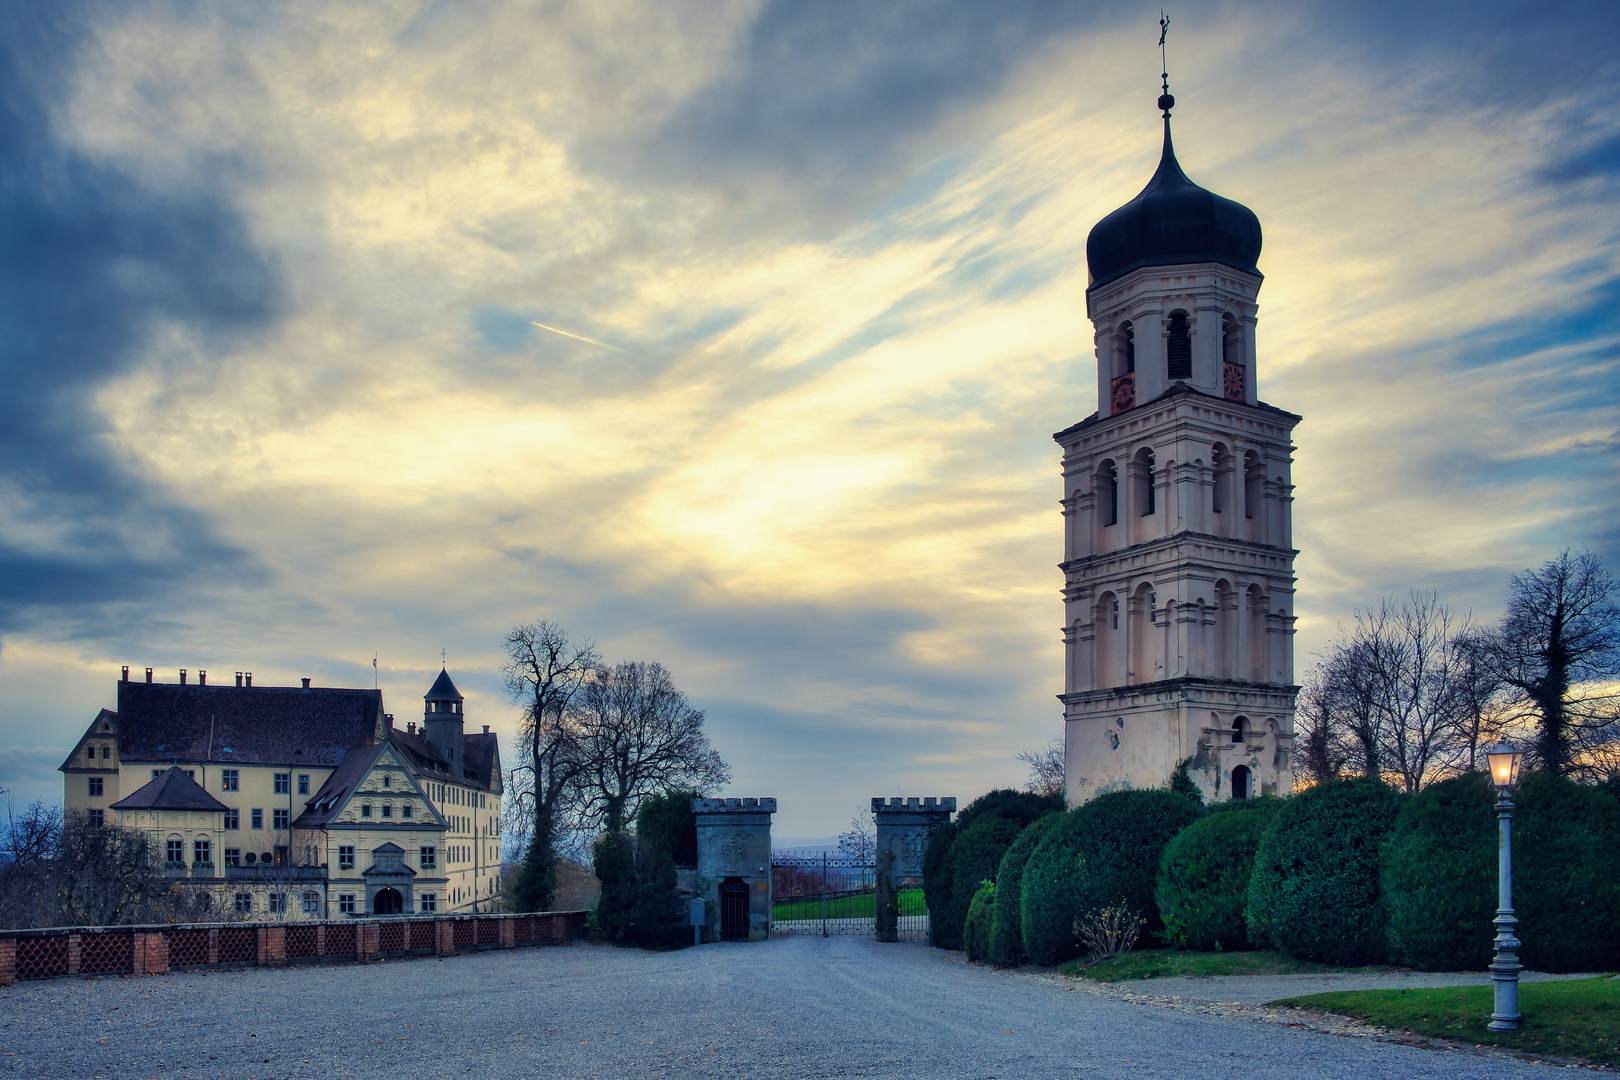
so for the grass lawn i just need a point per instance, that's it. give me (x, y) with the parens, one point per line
(847, 907)
(1579, 1018)
(1166, 963)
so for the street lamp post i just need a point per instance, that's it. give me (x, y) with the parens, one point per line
(1505, 759)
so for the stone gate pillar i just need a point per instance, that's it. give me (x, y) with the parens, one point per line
(734, 849)
(903, 829)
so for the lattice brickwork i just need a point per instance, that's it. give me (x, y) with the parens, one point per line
(102, 953)
(303, 940)
(489, 932)
(424, 934)
(340, 939)
(238, 945)
(465, 933)
(188, 947)
(523, 928)
(42, 957)
(391, 937)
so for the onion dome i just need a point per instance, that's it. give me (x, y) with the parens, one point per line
(1172, 222)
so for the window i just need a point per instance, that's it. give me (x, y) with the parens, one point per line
(233, 819)
(1108, 493)
(365, 809)
(258, 818)
(90, 752)
(283, 783)
(405, 811)
(282, 854)
(430, 857)
(176, 851)
(202, 852)
(312, 903)
(387, 810)
(303, 783)
(1144, 462)
(278, 903)
(233, 856)
(191, 774)
(1178, 348)
(281, 815)
(244, 903)
(388, 781)
(95, 787)
(230, 780)
(346, 857)
(156, 773)
(346, 903)
(1127, 351)
(430, 901)
(97, 817)
(106, 752)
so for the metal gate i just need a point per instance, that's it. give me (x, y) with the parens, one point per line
(733, 910)
(820, 894)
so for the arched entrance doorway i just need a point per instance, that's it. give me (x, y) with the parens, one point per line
(1240, 782)
(388, 902)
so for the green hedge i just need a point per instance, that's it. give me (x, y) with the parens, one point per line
(1315, 890)
(1439, 876)
(1007, 924)
(976, 928)
(947, 888)
(1566, 875)
(1203, 882)
(1101, 853)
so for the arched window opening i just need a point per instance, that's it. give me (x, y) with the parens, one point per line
(1253, 484)
(1234, 384)
(1108, 493)
(1127, 349)
(1178, 349)
(1240, 782)
(1145, 473)
(1220, 465)
(1240, 729)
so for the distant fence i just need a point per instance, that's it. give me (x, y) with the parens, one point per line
(156, 950)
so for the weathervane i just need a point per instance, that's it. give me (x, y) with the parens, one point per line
(1166, 102)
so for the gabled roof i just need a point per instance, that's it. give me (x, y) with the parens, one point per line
(443, 689)
(171, 789)
(327, 803)
(76, 760)
(253, 725)
(481, 755)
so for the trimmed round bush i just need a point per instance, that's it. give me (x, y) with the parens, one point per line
(1314, 893)
(976, 928)
(950, 879)
(1203, 882)
(1100, 854)
(1439, 876)
(1007, 922)
(1566, 875)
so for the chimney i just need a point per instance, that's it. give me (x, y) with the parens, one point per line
(202, 677)
(148, 675)
(249, 676)
(182, 676)
(388, 717)
(486, 729)
(238, 678)
(306, 682)
(410, 727)
(125, 676)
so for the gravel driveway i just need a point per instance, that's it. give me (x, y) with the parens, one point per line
(790, 1007)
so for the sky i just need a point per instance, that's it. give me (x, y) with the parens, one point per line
(733, 335)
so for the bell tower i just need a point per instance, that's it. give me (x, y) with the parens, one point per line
(1178, 556)
(442, 720)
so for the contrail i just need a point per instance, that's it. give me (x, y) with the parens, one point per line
(576, 337)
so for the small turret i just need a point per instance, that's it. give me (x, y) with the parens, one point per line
(442, 720)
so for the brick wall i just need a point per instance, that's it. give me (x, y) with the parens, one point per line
(157, 950)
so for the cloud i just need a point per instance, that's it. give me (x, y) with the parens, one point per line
(840, 253)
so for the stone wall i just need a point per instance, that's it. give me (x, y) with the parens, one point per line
(734, 844)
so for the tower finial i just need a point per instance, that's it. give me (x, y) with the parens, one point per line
(1166, 102)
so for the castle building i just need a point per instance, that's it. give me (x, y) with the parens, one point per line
(1178, 561)
(298, 800)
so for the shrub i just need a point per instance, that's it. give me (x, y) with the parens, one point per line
(1314, 893)
(1439, 876)
(1108, 932)
(1566, 875)
(1203, 881)
(976, 927)
(948, 894)
(1103, 853)
(638, 884)
(1007, 923)
(666, 820)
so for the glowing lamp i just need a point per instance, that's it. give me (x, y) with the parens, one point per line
(1505, 759)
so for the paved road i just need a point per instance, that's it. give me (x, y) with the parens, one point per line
(790, 1007)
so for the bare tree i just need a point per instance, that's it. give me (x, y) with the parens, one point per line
(545, 671)
(1482, 716)
(1319, 751)
(1045, 768)
(1557, 652)
(638, 734)
(860, 842)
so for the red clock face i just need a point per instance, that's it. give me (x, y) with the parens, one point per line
(1124, 392)
(1234, 382)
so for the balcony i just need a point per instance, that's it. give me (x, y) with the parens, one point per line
(275, 873)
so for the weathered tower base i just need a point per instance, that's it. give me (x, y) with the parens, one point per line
(903, 829)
